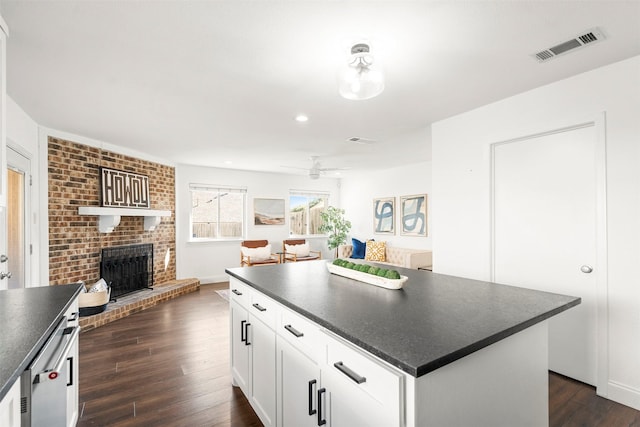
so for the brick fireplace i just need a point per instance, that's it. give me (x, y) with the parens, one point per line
(75, 244)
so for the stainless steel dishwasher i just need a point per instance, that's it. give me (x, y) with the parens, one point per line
(44, 383)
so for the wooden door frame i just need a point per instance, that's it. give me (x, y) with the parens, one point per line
(602, 295)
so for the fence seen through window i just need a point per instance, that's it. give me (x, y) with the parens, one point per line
(304, 213)
(217, 213)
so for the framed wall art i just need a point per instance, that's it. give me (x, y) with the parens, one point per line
(123, 189)
(413, 215)
(384, 215)
(268, 211)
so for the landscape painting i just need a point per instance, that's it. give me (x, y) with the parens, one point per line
(268, 211)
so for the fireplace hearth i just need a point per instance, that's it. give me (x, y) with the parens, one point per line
(127, 269)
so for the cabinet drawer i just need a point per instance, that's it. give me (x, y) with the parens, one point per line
(361, 369)
(239, 292)
(303, 334)
(264, 308)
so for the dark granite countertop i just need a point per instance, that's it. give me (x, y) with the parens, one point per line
(432, 321)
(27, 319)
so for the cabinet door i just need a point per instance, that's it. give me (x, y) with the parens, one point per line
(10, 407)
(239, 347)
(73, 374)
(298, 384)
(262, 340)
(344, 404)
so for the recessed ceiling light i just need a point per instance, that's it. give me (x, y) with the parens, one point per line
(227, 162)
(302, 118)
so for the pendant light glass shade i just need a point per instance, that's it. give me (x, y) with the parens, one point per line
(361, 80)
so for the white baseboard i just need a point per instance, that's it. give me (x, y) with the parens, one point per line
(213, 279)
(624, 394)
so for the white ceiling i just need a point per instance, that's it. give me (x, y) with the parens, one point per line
(209, 82)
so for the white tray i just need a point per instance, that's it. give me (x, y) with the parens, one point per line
(366, 277)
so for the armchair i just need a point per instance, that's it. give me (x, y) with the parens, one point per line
(257, 252)
(295, 250)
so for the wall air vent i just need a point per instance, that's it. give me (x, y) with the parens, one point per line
(358, 140)
(589, 37)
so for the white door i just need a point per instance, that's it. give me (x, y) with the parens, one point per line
(545, 235)
(4, 268)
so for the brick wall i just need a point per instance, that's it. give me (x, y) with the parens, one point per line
(74, 240)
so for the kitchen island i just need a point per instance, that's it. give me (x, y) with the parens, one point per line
(28, 317)
(442, 350)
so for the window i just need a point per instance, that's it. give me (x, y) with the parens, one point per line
(217, 212)
(304, 212)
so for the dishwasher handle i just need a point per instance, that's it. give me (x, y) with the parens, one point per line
(52, 374)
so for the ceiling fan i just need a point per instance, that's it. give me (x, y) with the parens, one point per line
(316, 168)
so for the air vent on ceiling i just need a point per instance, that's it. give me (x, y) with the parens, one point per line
(358, 140)
(589, 37)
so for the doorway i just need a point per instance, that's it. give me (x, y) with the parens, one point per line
(18, 211)
(547, 221)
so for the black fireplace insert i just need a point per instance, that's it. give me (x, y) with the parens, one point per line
(127, 269)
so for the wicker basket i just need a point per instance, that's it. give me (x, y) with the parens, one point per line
(90, 303)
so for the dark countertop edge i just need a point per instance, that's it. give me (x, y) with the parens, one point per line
(428, 367)
(34, 351)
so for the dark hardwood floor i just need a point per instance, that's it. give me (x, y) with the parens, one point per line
(169, 366)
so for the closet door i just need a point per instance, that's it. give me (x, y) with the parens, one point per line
(545, 235)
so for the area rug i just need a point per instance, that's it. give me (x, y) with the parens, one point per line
(224, 294)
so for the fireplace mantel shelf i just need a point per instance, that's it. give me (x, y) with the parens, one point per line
(109, 218)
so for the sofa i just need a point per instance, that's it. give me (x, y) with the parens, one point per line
(399, 257)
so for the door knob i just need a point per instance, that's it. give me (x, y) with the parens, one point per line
(3, 258)
(586, 269)
(3, 275)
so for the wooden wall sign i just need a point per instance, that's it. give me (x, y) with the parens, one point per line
(123, 189)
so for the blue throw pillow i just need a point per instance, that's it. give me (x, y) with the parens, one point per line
(358, 249)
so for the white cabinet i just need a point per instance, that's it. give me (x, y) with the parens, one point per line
(298, 384)
(10, 407)
(357, 390)
(284, 361)
(73, 373)
(253, 349)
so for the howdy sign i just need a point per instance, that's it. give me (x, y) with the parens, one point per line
(123, 189)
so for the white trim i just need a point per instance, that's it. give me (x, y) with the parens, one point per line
(105, 146)
(624, 394)
(602, 287)
(602, 273)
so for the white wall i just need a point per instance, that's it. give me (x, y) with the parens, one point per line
(358, 191)
(461, 177)
(22, 135)
(208, 260)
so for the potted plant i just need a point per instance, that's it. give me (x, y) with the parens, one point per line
(335, 225)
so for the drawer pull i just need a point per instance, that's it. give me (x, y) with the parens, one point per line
(311, 384)
(321, 421)
(294, 331)
(237, 292)
(259, 307)
(348, 372)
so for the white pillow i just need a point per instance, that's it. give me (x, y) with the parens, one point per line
(299, 250)
(99, 286)
(257, 254)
